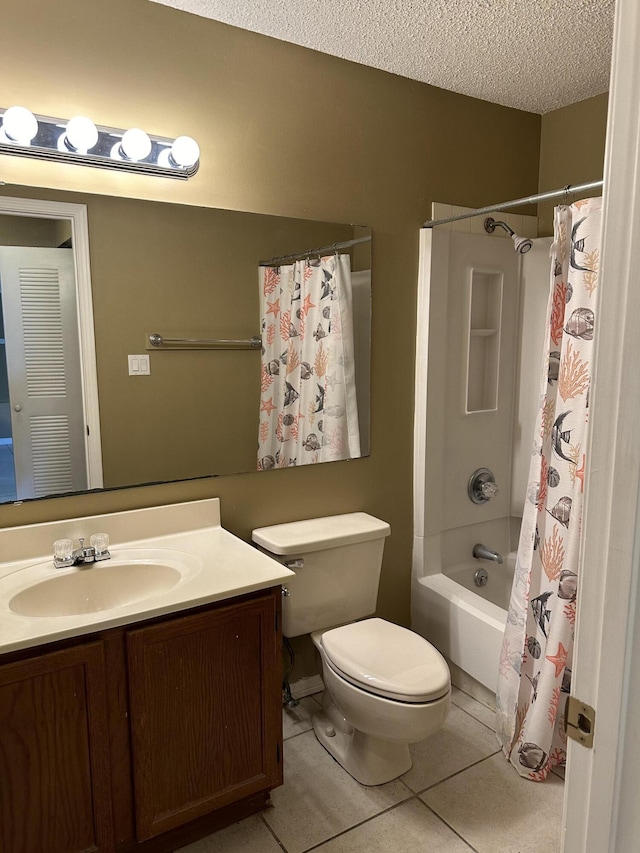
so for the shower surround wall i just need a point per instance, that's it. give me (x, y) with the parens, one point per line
(476, 389)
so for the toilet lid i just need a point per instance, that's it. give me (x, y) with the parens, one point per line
(388, 660)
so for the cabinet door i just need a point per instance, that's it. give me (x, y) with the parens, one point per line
(54, 760)
(204, 694)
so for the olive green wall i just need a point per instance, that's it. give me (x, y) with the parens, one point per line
(23, 231)
(572, 141)
(288, 131)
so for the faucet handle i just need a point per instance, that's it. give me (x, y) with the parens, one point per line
(63, 552)
(489, 490)
(100, 543)
(482, 486)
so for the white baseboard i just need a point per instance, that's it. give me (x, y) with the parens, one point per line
(307, 686)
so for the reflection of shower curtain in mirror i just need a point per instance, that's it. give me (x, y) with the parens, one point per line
(535, 665)
(308, 409)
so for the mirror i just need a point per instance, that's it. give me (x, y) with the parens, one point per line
(181, 272)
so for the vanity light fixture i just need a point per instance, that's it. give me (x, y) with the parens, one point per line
(80, 141)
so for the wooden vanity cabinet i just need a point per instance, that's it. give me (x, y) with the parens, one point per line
(55, 787)
(201, 693)
(144, 737)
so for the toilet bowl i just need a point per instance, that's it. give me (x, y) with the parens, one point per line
(385, 686)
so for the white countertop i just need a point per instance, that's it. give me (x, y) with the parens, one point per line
(220, 566)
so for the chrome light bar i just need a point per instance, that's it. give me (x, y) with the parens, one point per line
(80, 141)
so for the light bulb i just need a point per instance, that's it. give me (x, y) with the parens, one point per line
(19, 125)
(135, 144)
(81, 134)
(185, 151)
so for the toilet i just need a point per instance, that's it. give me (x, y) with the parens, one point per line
(385, 686)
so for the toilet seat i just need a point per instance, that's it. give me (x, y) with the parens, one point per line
(387, 660)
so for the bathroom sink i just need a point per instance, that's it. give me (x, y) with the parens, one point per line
(104, 585)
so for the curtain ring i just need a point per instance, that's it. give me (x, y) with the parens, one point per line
(565, 197)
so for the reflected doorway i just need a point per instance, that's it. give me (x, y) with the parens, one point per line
(49, 420)
(8, 490)
(42, 357)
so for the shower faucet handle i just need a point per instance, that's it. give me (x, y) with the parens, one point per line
(482, 486)
(489, 490)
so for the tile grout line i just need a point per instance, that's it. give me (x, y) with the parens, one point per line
(364, 821)
(448, 825)
(473, 716)
(296, 734)
(457, 773)
(473, 698)
(275, 837)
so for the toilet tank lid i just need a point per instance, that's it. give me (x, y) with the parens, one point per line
(318, 534)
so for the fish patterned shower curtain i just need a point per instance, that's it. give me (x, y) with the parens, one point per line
(308, 406)
(535, 664)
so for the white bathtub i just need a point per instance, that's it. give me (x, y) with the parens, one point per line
(463, 621)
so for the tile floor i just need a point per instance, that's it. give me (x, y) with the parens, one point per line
(460, 795)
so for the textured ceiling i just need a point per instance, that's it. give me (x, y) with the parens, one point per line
(535, 55)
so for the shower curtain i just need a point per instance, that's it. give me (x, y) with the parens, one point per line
(535, 664)
(308, 407)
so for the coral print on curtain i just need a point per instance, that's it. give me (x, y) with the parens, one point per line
(535, 666)
(308, 408)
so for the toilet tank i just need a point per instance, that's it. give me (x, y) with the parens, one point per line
(336, 560)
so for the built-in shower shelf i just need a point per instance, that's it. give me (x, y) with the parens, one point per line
(483, 349)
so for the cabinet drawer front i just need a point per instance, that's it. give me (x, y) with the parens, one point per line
(54, 760)
(198, 688)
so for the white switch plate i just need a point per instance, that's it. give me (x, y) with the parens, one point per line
(139, 365)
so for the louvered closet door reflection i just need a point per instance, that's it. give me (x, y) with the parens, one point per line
(43, 365)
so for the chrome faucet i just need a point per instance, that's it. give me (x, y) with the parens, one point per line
(65, 555)
(481, 552)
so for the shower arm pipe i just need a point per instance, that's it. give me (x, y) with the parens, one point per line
(518, 202)
(300, 256)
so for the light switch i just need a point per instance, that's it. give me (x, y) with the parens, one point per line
(139, 365)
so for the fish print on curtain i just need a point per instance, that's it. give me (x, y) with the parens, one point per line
(536, 659)
(308, 407)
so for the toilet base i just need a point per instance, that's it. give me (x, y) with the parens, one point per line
(370, 760)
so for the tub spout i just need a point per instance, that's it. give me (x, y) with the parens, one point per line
(481, 552)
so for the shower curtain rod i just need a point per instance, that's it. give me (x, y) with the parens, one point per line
(518, 202)
(300, 256)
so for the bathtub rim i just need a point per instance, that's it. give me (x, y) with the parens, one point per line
(467, 629)
(471, 602)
